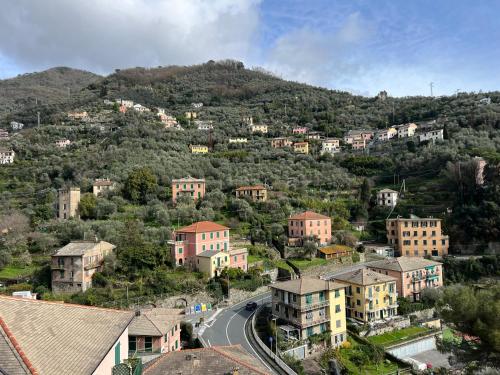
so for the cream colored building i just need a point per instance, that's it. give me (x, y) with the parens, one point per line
(301, 148)
(257, 193)
(258, 128)
(330, 146)
(198, 149)
(102, 185)
(238, 140)
(68, 200)
(311, 306)
(7, 156)
(406, 130)
(370, 296)
(387, 197)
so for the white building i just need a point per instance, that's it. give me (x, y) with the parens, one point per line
(196, 105)
(204, 125)
(16, 125)
(432, 135)
(330, 146)
(125, 103)
(63, 143)
(406, 130)
(140, 108)
(258, 128)
(238, 140)
(387, 197)
(7, 156)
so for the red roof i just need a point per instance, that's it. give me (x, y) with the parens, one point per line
(256, 187)
(308, 215)
(202, 226)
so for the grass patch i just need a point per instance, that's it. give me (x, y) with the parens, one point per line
(255, 258)
(13, 272)
(391, 338)
(306, 263)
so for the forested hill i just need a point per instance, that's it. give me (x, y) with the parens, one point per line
(50, 86)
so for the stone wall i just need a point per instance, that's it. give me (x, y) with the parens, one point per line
(386, 326)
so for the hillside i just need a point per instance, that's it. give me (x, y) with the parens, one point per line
(48, 87)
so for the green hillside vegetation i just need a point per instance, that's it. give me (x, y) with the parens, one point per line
(135, 147)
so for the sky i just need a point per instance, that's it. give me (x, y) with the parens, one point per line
(361, 46)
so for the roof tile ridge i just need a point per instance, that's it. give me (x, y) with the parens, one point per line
(17, 347)
(154, 325)
(237, 360)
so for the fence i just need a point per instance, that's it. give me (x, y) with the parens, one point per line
(268, 351)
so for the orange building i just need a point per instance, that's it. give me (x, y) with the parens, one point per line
(193, 187)
(309, 224)
(417, 236)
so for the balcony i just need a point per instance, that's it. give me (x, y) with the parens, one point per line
(92, 265)
(311, 323)
(307, 307)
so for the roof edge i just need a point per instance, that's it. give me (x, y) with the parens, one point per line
(18, 348)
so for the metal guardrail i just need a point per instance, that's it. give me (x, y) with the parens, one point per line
(268, 351)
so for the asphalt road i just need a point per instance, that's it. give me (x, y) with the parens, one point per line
(228, 327)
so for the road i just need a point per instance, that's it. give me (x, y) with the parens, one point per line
(228, 327)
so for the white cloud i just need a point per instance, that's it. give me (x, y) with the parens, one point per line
(101, 35)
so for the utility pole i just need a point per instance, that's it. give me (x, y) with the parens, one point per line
(431, 85)
(38, 118)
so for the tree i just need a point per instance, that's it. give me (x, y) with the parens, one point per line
(87, 206)
(310, 247)
(139, 184)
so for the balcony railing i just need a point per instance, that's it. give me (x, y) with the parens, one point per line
(92, 265)
(310, 323)
(307, 307)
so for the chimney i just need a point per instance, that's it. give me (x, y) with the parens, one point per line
(235, 371)
(137, 312)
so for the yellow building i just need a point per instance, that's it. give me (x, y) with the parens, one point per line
(308, 306)
(301, 147)
(68, 200)
(212, 262)
(258, 128)
(198, 149)
(370, 295)
(190, 115)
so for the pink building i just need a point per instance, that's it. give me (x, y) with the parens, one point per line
(412, 274)
(300, 130)
(309, 224)
(197, 238)
(238, 258)
(358, 144)
(193, 187)
(155, 330)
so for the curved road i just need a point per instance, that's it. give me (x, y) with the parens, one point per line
(228, 327)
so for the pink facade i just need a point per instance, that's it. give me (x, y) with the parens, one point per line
(192, 187)
(238, 258)
(301, 130)
(410, 284)
(309, 224)
(196, 238)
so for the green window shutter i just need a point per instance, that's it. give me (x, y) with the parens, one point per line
(117, 354)
(225, 245)
(211, 235)
(203, 236)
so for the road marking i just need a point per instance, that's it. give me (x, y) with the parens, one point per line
(229, 322)
(250, 345)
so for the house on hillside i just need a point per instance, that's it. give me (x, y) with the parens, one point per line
(431, 135)
(358, 144)
(330, 146)
(315, 135)
(238, 140)
(16, 125)
(192, 187)
(73, 265)
(281, 142)
(256, 193)
(7, 155)
(309, 224)
(62, 143)
(335, 251)
(68, 200)
(301, 148)
(406, 130)
(204, 125)
(45, 337)
(78, 115)
(198, 149)
(300, 130)
(258, 128)
(387, 197)
(102, 185)
(4, 135)
(385, 134)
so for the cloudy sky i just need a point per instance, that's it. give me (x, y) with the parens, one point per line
(362, 46)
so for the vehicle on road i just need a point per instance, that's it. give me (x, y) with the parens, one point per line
(250, 306)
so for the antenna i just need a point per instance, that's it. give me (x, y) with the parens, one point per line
(431, 85)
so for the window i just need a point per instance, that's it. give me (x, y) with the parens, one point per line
(415, 242)
(294, 297)
(425, 242)
(218, 234)
(277, 308)
(424, 233)
(176, 344)
(338, 323)
(203, 247)
(443, 242)
(415, 233)
(309, 298)
(203, 236)
(337, 293)
(322, 312)
(148, 344)
(358, 302)
(132, 343)
(310, 331)
(321, 296)
(179, 250)
(337, 308)
(309, 315)
(322, 327)
(358, 289)
(211, 235)
(225, 233)
(117, 354)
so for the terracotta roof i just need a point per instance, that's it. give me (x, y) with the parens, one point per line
(308, 215)
(13, 360)
(154, 322)
(306, 285)
(364, 276)
(58, 338)
(215, 360)
(202, 226)
(78, 248)
(255, 187)
(403, 264)
(188, 179)
(334, 249)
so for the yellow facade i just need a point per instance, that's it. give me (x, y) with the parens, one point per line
(212, 264)
(372, 302)
(301, 148)
(337, 316)
(198, 149)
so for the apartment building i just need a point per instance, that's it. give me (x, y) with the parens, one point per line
(386, 134)
(358, 144)
(154, 331)
(256, 193)
(309, 224)
(102, 185)
(280, 142)
(330, 146)
(51, 338)
(198, 149)
(352, 135)
(73, 265)
(432, 135)
(315, 135)
(311, 306)
(193, 240)
(68, 200)
(387, 197)
(412, 274)
(417, 237)
(370, 296)
(193, 187)
(6, 156)
(406, 130)
(301, 148)
(258, 128)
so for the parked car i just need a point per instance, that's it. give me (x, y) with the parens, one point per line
(251, 306)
